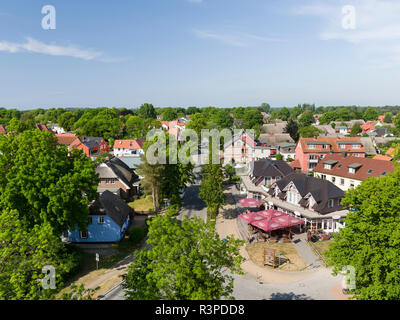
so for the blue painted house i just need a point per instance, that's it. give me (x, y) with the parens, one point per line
(110, 218)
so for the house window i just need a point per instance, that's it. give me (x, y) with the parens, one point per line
(110, 181)
(370, 171)
(356, 146)
(327, 166)
(323, 177)
(90, 220)
(352, 170)
(351, 184)
(83, 234)
(312, 146)
(330, 203)
(101, 220)
(333, 179)
(342, 182)
(267, 181)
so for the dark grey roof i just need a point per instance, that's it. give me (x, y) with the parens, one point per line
(321, 190)
(355, 165)
(120, 169)
(331, 161)
(92, 142)
(111, 205)
(271, 168)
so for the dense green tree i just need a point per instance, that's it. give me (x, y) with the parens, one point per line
(66, 121)
(265, 107)
(294, 113)
(221, 120)
(356, 129)
(135, 127)
(309, 132)
(186, 261)
(211, 188)
(370, 114)
(388, 117)
(193, 110)
(251, 118)
(306, 119)
(24, 251)
(44, 183)
(328, 117)
(284, 114)
(293, 130)
(197, 122)
(370, 241)
(147, 111)
(104, 123)
(169, 114)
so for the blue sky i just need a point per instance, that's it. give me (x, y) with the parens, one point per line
(223, 53)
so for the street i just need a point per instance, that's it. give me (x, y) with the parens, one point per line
(316, 287)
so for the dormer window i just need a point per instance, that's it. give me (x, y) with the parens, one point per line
(354, 167)
(342, 146)
(312, 146)
(331, 203)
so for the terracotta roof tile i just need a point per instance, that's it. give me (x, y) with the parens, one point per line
(370, 167)
(332, 144)
(129, 144)
(382, 157)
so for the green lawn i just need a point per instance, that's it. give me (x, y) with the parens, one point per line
(142, 205)
(322, 246)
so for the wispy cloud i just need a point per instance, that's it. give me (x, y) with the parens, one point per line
(34, 46)
(237, 40)
(377, 31)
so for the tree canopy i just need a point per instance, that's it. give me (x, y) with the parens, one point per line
(44, 183)
(370, 241)
(186, 261)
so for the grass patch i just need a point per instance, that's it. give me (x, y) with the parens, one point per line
(144, 204)
(88, 272)
(323, 246)
(295, 263)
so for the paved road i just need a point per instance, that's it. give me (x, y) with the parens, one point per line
(316, 287)
(192, 205)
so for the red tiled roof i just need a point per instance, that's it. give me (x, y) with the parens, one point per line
(377, 166)
(295, 164)
(382, 157)
(129, 144)
(67, 138)
(381, 118)
(390, 151)
(333, 144)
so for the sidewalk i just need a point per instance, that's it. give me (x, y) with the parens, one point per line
(305, 252)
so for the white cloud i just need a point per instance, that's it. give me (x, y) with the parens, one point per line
(377, 30)
(237, 40)
(35, 46)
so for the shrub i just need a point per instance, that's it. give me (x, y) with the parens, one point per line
(136, 235)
